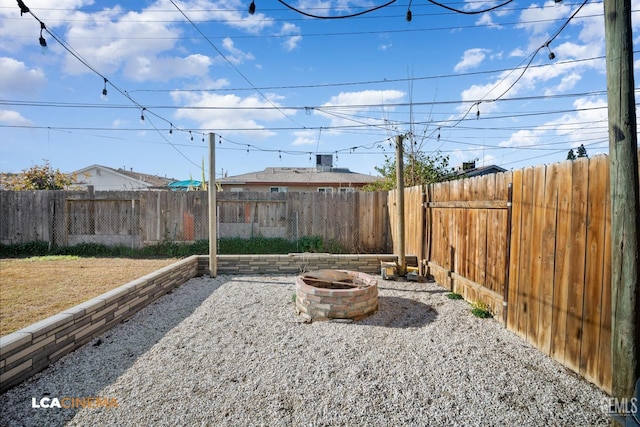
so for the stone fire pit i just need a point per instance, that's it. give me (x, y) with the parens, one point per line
(336, 294)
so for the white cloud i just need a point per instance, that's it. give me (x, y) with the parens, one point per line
(234, 55)
(471, 59)
(294, 38)
(567, 83)
(305, 137)
(538, 20)
(16, 77)
(165, 68)
(349, 108)
(526, 137)
(13, 118)
(366, 97)
(590, 116)
(230, 112)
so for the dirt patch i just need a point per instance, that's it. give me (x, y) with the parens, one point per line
(35, 288)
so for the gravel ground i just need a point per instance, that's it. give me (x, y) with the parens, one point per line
(231, 351)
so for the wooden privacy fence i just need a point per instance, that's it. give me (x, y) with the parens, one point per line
(534, 244)
(352, 222)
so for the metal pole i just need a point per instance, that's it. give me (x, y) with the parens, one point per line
(213, 237)
(402, 260)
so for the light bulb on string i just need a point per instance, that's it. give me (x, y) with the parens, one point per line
(552, 55)
(170, 128)
(43, 42)
(203, 137)
(252, 8)
(142, 115)
(247, 149)
(279, 155)
(191, 135)
(104, 91)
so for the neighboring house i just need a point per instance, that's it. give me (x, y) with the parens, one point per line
(469, 169)
(104, 178)
(323, 178)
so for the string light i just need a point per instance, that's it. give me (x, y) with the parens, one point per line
(203, 137)
(409, 14)
(252, 8)
(170, 128)
(43, 42)
(104, 90)
(142, 115)
(191, 135)
(552, 55)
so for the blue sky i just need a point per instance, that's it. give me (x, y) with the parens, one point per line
(278, 87)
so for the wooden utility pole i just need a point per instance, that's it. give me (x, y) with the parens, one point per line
(625, 204)
(402, 259)
(213, 235)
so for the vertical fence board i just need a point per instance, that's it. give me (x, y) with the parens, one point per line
(525, 283)
(537, 218)
(480, 262)
(596, 230)
(563, 261)
(550, 217)
(574, 331)
(604, 347)
(514, 303)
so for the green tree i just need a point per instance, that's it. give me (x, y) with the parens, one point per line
(419, 169)
(42, 177)
(582, 152)
(571, 155)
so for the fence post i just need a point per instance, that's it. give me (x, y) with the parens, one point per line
(213, 220)
(625, 222)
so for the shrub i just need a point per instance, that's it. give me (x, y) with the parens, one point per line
(480, 309)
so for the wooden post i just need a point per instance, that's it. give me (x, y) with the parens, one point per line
(213, 235)
(625, 205)
(402, 259)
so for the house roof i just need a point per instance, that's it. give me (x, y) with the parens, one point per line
(482, 170)
(152, 180)
(299, 176)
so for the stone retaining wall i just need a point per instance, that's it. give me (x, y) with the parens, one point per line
(297, 263)
(32, 349)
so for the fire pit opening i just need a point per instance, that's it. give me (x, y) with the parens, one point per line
(336, 294)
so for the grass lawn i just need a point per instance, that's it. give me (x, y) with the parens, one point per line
(32, 289)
